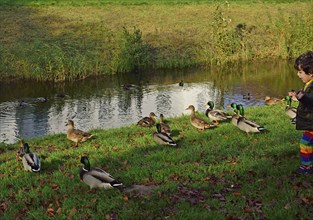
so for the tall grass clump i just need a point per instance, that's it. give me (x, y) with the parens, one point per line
(48, 61)
(227, 42)
(296, 33)
(131, 53)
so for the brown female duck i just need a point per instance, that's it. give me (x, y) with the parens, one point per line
(197, 122)
(147, 121)
(165, 128)
(272, 100)
(76, 135)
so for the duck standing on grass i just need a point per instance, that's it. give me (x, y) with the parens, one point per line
(197, 122)
(165, 128)
(147, 121)
(30, 160)
(215, 114)
(76, 135)
(244, 124)
(96, 177)
(162, 137)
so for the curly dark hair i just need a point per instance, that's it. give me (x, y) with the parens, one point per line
(305, 62)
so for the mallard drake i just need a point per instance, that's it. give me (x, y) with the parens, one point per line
(30, 160)
(76, 135)
(147, 121)
(96, 177)
(246, 96)
(271, 100)
(215, 114)
(162, 137)
(197, 122)
(165, 128)
(244, 124)
(290, 111)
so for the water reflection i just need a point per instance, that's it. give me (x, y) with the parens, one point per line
(121, 100)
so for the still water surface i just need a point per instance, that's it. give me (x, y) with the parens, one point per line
(107, 103)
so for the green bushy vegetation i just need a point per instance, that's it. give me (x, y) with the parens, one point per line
(67, 42)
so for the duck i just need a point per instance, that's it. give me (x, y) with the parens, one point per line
(96, 177)
(197, 122)
(128, 86)
(215, 114)
(76, 135)
(147, 121)
(20, 153)
(244, 124)
(31, 161)
(165, 128)
(162, 137)
(60, 95)
(22, 103)
(246, 96)
(181, 83)
(41, 99)
(271, 100)
(290, 111)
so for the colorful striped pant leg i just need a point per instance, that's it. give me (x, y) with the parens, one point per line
(306, 148)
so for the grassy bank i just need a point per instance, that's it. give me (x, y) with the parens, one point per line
(215, 174)
(68, 40)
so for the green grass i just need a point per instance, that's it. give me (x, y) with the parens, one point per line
(64, 40)
(214, 174)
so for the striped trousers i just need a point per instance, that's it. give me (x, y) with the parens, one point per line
(306, 148)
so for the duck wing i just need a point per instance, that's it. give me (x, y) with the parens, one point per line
(31, 162)
(101, 175)
(146, 122)
(163, 138)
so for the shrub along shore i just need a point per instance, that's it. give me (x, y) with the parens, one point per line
(220, 173)
(69, 40)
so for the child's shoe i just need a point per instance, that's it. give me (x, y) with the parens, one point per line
(305, 170)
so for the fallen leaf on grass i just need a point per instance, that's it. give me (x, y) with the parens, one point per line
(54, 186)
(3, 207)
(50, 212)
(247, 209)
(236, 193)
(193, 196)
(287, 206)
(59, 210)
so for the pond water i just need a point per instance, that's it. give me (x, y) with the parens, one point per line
(107, 103)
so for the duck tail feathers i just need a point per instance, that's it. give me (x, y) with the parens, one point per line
(116, 183)
(173, 143)
(35, 169)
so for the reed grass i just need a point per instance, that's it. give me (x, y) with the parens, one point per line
(58, 41)
(221, 173)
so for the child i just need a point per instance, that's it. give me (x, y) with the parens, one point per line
(304, 118)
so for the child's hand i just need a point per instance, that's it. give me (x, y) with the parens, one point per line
(293, 95)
